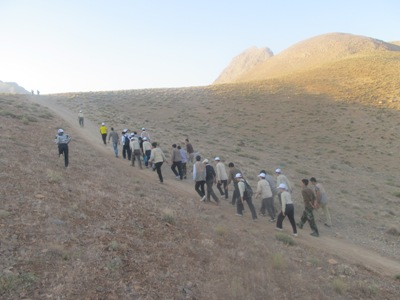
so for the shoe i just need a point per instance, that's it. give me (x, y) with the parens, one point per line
(202, 199)
(299, 225)
(239, 215)
(255, 220)
(314, 233)
(295, 234)
(272, 220)
(279, 229)
(326, 224)
(177, 177)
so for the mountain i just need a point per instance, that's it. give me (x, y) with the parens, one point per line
(11, 88)
(244, 62)
(312, 53)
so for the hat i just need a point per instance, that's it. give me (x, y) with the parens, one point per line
(143, 128)
(80, 111)
(278, 171)
(217, 158)
(282, 186)
(60, 130)
(145, 139)
(205, 161)
(261, 175)
(238, 175)
(125, 130)
(102, 123)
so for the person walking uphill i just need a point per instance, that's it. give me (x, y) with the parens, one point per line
(267, 200)
(115, 140)
(80, 118)
(322, 200)
(62, 140)
(309, 205)
(287, 209)
(199, 176)
(158, 158)
(210, 180)
(176, 161)
(244, 195)
(103, 132)
(232, 173)
(222, 177)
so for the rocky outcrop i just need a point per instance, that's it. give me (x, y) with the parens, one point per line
(11, 88)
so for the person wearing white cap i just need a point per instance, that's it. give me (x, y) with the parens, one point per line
(265, 192)
(145, 134)
(231, 178)
(210, 179)
(245, 192)
(113, 135)
(222, 177)
(146, 148)
(103, 132)
(126, 150)
(287, 209)
(280, 178)
(80, 118)
(136, 151)
(62, 140)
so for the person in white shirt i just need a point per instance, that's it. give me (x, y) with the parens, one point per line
(287, 209)
(222, 177)
(267, 200)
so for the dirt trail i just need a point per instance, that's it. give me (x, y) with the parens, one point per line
(338, 247)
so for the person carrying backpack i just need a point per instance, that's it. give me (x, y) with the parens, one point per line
(246, 194)
(62, 140)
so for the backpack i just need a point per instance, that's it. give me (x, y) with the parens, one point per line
(248, 191)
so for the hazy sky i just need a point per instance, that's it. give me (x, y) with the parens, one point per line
(93, 45)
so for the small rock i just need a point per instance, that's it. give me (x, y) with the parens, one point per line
(39, 196)
(331, 261)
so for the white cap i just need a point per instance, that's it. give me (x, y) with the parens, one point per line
(143, 128)
(261, 175)
(278, 171)
(217, 158)
(125, 130)
(102, 123)
(60, 130)
(282, 186)
(238, 175)
(205, 161)
(80, 111)
(145, 139)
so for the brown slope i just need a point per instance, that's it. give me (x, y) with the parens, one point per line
(316, 52)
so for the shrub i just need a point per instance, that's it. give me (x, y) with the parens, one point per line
(286, 239)
(278, 262)
(339, 285)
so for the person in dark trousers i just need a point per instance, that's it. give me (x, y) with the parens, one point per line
(199, 176)
(184, 161)
(244, 196)
(158, 158)
(126, 150)
(287, 209)
(80, 118)
(309, 205)
(176, 162)
(103, 132)
(210, 180)
(190, 151)
(222, 177)
(231, 178)
(62, 140)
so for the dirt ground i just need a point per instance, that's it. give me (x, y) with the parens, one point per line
(105, 230)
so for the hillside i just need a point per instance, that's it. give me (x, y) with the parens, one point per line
(11, 88)
(105, 230)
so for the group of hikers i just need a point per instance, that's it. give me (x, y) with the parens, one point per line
(137, 147)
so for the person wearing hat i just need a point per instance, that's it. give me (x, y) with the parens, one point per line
(244, 196)
(145, 134)
(103, 132)
(231, 178)
(199, 176)
(126, 150)
(210, 180)
(265, 192)
(146, 148)
(62, 140)
(280, 178)
(309, 205)
(222, 177)
(176, 162)
(80, 118)
(113, 135)
(158, 158)
(184, 161)
(135, 150)
(287, 209)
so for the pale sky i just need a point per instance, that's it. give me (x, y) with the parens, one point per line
(60, 46)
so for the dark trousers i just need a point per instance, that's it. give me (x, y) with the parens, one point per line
(126, 152)
(236, 194)
(184, 170)
(81, 121)
(146, 157)
(240, 207)
(308, 216)
(289, 212)
(199, 187)
(225, 191)
(63, 150)
(104, 137)
(158, 168)
(267, 204)
(136, 155)
(210, 191)
(177, 164)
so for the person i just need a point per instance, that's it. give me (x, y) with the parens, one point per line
(264, 191)
(103, 132)
(272, 183)
(158, 158)
(38, 92)
(184, 161)
(231, 178)
(62, 140)
(322, 200)
(309, 204)
(146, 148)
(244, 195)
(115, 140)
(176, 162)
(280, 178)
(126, 150)
(287, 209)
(199, 176)
(136, 151)
(145, 134)
(190, 150)
(222, 177)
(210, 180)
(80, 118)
